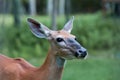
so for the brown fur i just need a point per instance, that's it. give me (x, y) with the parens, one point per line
(19, 69)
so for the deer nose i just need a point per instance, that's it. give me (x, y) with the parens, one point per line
(81, 53)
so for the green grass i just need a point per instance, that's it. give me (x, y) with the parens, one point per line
(98, 66)
(92, 69)
(6, 20)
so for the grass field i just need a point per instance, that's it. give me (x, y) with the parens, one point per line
(95, 67)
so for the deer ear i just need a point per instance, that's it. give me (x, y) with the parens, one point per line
(69, 25)
(38, 29)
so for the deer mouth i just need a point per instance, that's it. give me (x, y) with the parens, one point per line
(70, 53)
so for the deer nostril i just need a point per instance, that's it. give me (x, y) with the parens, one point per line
(79, 51)
(77, 54)
(83, 54)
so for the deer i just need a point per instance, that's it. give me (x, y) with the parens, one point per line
(63, 47)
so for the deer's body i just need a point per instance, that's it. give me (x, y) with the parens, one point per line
(19, 69)
(14, 69)
(63, 46)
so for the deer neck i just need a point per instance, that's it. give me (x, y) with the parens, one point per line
(52, 67)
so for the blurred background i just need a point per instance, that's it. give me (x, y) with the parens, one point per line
(96, 26)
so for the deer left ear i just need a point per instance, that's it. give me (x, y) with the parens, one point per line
(38, 29)
(69, 25)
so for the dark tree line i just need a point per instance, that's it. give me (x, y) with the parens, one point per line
(50, 7)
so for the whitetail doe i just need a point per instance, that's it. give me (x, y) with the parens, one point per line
(63, 47)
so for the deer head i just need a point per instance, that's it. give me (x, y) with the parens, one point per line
(62, 42)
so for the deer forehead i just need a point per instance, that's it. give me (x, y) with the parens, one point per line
(61, 33)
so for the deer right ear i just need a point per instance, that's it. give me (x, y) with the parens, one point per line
(69, 25)
(38, 29)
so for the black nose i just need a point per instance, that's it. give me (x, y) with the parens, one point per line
(81, 53)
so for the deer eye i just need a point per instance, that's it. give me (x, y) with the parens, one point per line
(59, 39)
